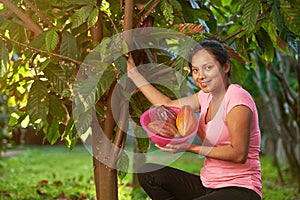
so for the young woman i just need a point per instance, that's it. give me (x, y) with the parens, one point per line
(228, 128)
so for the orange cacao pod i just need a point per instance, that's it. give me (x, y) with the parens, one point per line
(186, 121)
(163, 128)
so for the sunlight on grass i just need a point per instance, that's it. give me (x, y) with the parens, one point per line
(51, 172)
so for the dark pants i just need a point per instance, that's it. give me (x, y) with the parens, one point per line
(166, 183)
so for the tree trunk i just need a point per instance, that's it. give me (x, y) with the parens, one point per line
(105, 181)
(105, 175)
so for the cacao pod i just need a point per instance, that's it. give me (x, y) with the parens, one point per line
(163, 128)
(166, 114)
(186, 121)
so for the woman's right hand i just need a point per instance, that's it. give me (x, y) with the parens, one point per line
(131, 68)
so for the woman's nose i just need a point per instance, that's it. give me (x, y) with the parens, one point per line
(200, 75)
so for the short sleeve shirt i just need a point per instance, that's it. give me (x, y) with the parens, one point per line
(217, 173)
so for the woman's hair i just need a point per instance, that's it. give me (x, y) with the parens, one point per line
(215, 48)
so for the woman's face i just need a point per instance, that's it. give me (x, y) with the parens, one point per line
(208, 73)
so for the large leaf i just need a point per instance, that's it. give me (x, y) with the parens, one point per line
(167, 10)
(57, 109)
(250, 15)
(51, 39)
(4, 59)
(68, 46)
(38, 101)
(190, 28)
(70, 136)
(93, 18)
(292, 16)
(176, 5)
(87, 92)
(56, 77)
(81, 15)
(284, 32)
(211, 21)
(123, 165)
(82, 120)
(265, 43)
(37, 43)
(52, 133)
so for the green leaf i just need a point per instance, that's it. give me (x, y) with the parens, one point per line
(80, 16)
(57, 109)
(82, 120)
(38, 43)
(69, 46)
(88, 91)
(38, 101)
(4, 59)
(211, 21)
(93, 18)
(226, 2)
(141, 138)
(123, 165)
(56, 77)
(176, 5)
(265, 43)
(53, 132)
(284, 32)
(250, 15)
(70, 137)
(51, 39)
(167, 10)
(181, 66)
(292, 16)
(81, 2)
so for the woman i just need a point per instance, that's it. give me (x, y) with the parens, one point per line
(228, 128)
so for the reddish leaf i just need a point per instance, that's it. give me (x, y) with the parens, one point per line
(233, 54)
(42, 183)
(282, 44)
(40, 192)
(190, 28)
(4, 194)
(58, 183)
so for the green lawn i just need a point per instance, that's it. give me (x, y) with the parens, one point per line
(52, 172)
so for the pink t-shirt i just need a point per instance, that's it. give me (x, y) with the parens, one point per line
(217, 173)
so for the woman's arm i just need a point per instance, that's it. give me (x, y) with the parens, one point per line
(239, 123)
(154, 95)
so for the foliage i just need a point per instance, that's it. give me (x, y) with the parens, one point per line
(44, 47)
(47, 63)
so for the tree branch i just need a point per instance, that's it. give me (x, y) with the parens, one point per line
(146, 14)
(128, 10)
(36, 29)
(39, 13)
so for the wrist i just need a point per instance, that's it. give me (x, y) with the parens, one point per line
(136, 77)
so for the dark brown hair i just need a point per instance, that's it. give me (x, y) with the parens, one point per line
(215, 48)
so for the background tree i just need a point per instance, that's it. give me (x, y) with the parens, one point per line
(45, 43)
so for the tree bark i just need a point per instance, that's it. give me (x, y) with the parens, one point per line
(28, 22)
(105, 175)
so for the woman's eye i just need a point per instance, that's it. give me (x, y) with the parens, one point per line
(194, 70)
(208, 67)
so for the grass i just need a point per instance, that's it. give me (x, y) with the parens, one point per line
(54, 172)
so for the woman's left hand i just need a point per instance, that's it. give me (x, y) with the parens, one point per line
(175, 148)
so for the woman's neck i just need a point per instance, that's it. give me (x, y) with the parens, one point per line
(219, 94)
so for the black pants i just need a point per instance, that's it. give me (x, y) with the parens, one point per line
(166, 183)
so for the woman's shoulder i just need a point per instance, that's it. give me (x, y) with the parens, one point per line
(237, 95)
(236, 89)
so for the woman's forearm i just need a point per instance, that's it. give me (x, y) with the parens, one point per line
(226, 153)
